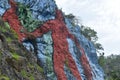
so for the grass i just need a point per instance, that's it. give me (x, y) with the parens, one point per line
(2, 29)
(8, 39)
(0, 55)
(7, 25)
(2, 77)
(31, 66)
(15, 34)
(32, 77)
(23, 73)
(27, 75)
(40, 69)
(15, 56)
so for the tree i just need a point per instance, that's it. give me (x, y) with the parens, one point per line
(101, 59)
(91, 35)
(73, 19)
(111, 66)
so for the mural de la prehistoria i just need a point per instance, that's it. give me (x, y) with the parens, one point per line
(61, 50)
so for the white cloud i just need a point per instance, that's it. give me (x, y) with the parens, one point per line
(101, 15)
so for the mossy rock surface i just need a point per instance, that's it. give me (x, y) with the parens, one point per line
(14, 58)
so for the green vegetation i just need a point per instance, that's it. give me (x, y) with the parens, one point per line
(91, 35)
(27, 75)
(31, 66)
(7, 25)
(40, 69)
(14, 34)
(111, 66)
(5, 28)
(23, 73)
(15, 56)
(8, 39)
(2, 29)
(26, 18)
(101, 59)
(11, 49)
(32, 77)
(3, 77)
(74, 20)
(2, 25)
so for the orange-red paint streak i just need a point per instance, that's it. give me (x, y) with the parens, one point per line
(86, 66)
(61, 51)
(83, 59)
(11, 17)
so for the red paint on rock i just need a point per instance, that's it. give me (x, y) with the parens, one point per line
(86, 66)
(59, 36)
(61, 51)
(11, 17)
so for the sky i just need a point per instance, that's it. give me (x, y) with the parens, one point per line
(101, 15)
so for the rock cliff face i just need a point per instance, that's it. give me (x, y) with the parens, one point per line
(16, 63)
(61, 50)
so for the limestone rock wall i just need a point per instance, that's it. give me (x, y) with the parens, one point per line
(62, 51)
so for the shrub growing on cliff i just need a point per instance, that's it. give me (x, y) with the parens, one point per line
(74, 20)
(91, 35)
